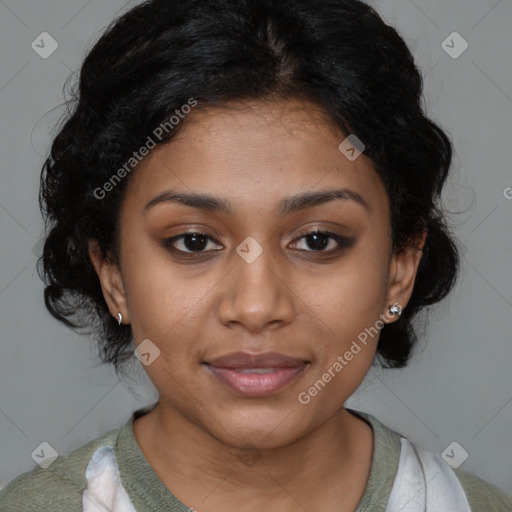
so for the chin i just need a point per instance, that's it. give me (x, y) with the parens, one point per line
(263, 429)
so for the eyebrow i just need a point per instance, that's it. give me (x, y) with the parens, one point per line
(287, 205)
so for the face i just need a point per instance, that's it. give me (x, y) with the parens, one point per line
(279, 243)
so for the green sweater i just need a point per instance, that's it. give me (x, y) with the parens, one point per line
(59, 488)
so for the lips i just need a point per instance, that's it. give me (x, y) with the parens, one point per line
(255, 374)
(241, 360)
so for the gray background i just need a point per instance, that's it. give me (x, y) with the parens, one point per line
(459, 385)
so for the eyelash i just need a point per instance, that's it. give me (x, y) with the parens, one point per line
(343, 243)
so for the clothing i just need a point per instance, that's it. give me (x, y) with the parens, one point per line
(113, 470)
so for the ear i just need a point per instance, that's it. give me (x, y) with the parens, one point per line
(403, 269)
(111, 282)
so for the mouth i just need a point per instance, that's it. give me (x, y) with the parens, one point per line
(256, 375)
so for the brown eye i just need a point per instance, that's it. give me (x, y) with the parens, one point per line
(318, 241)
(322, 242)
(191, 243)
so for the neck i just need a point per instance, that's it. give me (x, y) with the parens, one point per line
(337, 455)
(334, 460)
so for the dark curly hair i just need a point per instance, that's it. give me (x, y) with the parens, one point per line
(338, 54)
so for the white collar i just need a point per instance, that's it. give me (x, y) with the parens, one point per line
(425, 483)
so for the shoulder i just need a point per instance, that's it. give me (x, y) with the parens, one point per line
(59, 487)
(482, 495)
(399, 453)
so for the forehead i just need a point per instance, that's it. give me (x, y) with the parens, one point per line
(257, 153)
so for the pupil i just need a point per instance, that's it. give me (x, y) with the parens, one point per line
(194, 246)
(316, 245)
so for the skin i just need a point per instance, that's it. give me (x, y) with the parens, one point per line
(292, 299)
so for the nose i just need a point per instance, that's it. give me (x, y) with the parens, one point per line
(257, 296)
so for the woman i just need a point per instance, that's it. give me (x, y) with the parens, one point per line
(248, 191)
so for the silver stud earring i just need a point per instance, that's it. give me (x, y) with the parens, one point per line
(120, 317)
(396, 309)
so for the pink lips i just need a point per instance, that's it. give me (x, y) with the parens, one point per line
(256, 374)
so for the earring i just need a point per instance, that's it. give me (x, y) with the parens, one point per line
(120, 316)
(396, 309)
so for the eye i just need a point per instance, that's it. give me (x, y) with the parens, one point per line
(318, 240)
(197, 242)
(194, 242)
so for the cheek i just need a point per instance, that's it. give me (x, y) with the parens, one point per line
(349, 303)
(161, 295)
(349, 308)
(168, 314)
(351, 297)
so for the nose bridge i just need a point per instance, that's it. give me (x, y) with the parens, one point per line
(256, 295)
(255, 276)
(254, 281)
